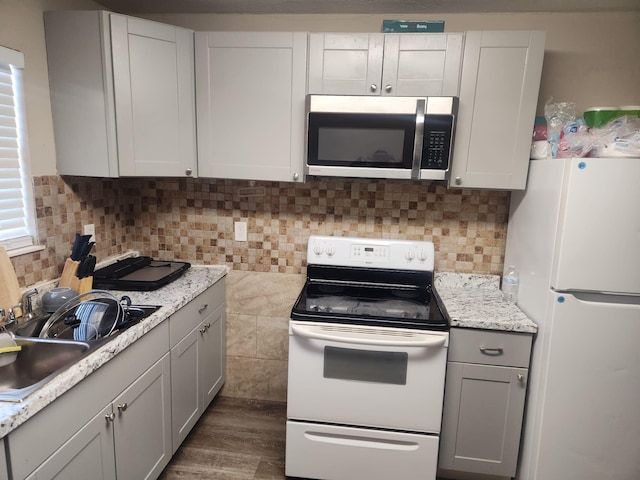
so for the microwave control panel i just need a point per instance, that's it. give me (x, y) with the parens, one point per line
(436, 143)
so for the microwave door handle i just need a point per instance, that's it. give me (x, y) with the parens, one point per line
(417, 143)
(427, 340)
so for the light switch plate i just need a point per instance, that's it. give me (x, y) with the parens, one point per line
(240, 231)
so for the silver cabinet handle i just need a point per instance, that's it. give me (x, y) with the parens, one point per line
(205, 327)
(520, 377)
(110, 417)
(296, 176)
(492, 351)
(188, 172)
(374, 87)
(203, 308)
(122, 407)
(388, 88)
(458, 180)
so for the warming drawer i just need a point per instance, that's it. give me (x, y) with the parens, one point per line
(335, 452)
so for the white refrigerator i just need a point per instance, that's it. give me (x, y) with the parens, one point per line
(574, 236)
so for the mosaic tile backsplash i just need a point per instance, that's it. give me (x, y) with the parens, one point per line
(193, 220)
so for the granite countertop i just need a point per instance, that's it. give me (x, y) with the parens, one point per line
(476, 301)
(171, 297)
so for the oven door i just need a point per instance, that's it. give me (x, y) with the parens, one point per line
(366, 376)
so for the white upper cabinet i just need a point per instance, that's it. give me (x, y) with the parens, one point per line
(122, 95)
(498, 98)
(251, 104)
(425, 64)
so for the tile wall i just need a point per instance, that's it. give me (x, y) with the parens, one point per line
(193, 220)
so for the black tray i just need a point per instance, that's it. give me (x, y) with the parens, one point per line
(138, 274)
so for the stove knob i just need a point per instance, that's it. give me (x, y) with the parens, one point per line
(423, 255)
(331, 250)
(410, 255)
(318, 249)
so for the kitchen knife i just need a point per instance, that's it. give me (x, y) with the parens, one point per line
(76, 248)
(86, 267)
(86, 248)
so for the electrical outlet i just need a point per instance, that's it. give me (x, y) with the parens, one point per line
(90, 229)
(240, 231)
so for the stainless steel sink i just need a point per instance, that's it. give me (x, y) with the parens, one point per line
(39, 361)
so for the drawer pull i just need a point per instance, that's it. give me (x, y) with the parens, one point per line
(122, 407)
(110, 417)
(492, 351)
(203, 308)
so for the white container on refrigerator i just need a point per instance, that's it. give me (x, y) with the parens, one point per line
(575, 235)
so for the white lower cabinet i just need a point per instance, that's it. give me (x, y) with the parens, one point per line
(120, 421)
(331, 451)
(85, 427)
(142, 431)
(197, 360)
(484, 402)
(129, 438)
(88, 454)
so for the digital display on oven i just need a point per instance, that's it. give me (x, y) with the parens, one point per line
(377, 253)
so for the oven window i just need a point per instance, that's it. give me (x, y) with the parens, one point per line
(366, 365)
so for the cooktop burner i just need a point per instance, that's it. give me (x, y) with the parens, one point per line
(398, 306)
(386, 283)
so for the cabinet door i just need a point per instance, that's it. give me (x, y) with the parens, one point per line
(345, 63)
(482, 419)
(213, 354)
(81, 86)
(154, 97)
(421, 64)
(88, 454)
(251, 94)
(186, 404)
(498, 98)
(143, 424)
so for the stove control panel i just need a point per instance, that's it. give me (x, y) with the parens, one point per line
(370, 252)
(358, 252)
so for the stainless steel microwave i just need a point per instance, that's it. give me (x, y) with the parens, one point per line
(380, 137)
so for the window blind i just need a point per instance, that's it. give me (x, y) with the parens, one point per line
(16, 214)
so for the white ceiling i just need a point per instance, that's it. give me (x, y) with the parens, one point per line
(366, 6)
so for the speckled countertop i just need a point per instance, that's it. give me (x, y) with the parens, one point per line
(476, 301)
(171, 297)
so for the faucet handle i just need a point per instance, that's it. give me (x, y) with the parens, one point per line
(27, 304)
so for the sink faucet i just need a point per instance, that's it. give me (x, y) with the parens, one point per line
(27, 304)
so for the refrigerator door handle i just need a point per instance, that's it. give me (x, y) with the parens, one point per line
(601, 297)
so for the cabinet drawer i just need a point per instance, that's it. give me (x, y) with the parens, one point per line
(189, 316)
(489, 347)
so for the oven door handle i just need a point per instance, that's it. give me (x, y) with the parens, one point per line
(426, 340)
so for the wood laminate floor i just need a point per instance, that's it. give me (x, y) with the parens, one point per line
(235, 439)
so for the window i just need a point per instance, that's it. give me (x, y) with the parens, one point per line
(17, 217)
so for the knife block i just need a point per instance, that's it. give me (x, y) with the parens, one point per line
(70, 279)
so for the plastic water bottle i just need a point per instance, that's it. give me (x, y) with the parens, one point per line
(510, 283)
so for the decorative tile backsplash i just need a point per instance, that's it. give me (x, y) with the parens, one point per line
(193, 220)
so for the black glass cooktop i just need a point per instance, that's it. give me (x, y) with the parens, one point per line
(365, 297)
